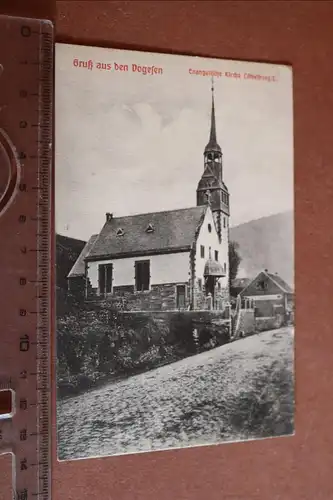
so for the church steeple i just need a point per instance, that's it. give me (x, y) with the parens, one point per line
(213, 152)
(212, 145)
(211, 188)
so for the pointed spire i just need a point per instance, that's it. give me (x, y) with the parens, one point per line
(212, 144)
(212, 137)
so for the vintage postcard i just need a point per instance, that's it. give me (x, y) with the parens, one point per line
(174, 251)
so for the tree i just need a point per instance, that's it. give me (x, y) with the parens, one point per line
(234, 260)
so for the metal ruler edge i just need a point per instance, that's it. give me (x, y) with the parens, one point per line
(35, 480)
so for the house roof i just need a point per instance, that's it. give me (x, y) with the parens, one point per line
(280, 282)
(78, 269)
(169, 230)
(284, 287)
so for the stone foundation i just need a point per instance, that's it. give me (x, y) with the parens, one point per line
(158, 298)
(201, 301)
(76, 286)
(263, 324)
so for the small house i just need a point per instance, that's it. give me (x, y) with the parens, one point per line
(271, 296)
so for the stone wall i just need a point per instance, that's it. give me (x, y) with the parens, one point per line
(245, 323)
(96, 344)
(263, 324)
(76, 286)
(158, 298)
(200, 296)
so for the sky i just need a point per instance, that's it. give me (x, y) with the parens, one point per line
(130, 143)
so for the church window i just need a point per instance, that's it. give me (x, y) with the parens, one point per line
(120, 232)
(216, 255)
(200, 284)
(105, 272)
(224, 222)
(202, 251)
(225, 267)
(210, 228)
(218, 285)
(150, 228)
(142, 275)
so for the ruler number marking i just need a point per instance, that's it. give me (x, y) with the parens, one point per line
(38, 121)
(24, 343)
(23, 404)
(23, 464)
(25, 31)
(23, 434)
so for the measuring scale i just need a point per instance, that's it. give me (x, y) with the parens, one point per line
(26, 108)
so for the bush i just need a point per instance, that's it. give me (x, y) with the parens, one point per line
(96, 343)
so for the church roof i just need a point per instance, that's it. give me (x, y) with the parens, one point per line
(210, 182)
(78, 269)
(155, 232)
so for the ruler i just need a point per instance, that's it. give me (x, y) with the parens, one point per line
(26, 109)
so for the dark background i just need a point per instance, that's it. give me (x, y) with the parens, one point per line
(293, 32)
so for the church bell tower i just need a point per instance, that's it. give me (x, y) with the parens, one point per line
(211, 188)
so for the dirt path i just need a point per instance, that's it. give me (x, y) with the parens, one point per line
(182, 404)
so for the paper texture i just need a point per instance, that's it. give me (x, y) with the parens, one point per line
(175, 251)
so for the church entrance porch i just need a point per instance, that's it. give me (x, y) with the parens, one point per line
(212, 272)
(210, 283)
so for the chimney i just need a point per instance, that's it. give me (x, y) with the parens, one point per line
(108, 216)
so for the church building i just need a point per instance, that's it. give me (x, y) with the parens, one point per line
(169, 260)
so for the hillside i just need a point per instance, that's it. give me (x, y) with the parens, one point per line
(266, 243)
(67, 251)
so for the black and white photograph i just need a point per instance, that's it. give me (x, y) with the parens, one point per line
(174, 216)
